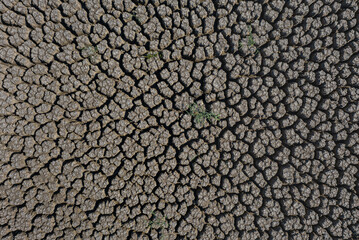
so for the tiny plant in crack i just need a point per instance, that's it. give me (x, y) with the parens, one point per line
(250, 37)
(150, 55)
(90, 51)
(200, 114)
(157, 222)
(250, 41)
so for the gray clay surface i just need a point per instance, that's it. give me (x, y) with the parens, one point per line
(96, 141)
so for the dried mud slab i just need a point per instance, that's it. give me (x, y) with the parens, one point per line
(96, 141)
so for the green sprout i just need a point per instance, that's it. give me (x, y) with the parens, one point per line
(250, 37)
(150, 55)
(160, 222)
(257, 51)
(92, 50)
(200, 114)
(250, 41)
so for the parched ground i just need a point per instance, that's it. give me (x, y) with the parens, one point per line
(101, 135)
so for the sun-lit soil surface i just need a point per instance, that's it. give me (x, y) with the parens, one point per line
(179, 119)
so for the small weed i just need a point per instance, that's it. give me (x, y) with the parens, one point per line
(200, 114)
(250, 41)
(250, 37)
(91, 51)
(150, 55)
(158, 222)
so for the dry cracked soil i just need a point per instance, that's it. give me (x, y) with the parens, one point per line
(179, 119)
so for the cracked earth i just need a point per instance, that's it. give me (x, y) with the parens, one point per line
(97, 140)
